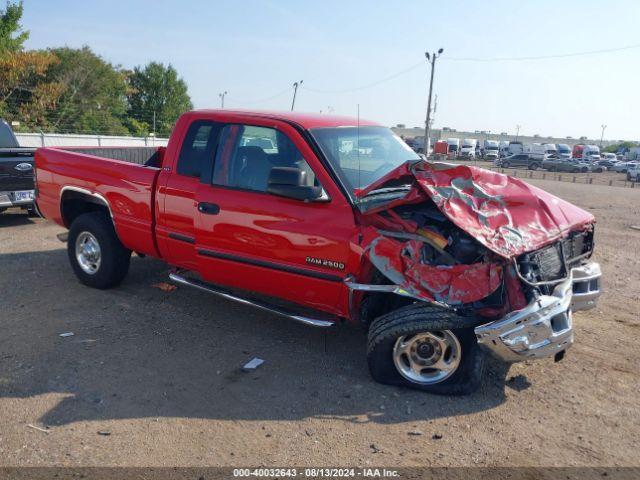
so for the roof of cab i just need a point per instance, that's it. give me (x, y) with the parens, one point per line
(305, 120)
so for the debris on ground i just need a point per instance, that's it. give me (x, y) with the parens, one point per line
(40, 429)
(252, 364)
(436, 436)
(374, 448)
(66, 334)
(414, 433)
(634, 227)
(165, 287)
(104, 433)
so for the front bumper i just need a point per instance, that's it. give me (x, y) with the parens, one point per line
(8, 199)
(544, 327)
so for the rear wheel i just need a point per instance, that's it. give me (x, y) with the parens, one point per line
(425, 348)
(95, 252)
(506, 164)
(533, 166)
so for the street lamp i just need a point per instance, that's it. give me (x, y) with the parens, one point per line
(602, 134)
(517, 132)
(222, 95)
(431, 59)
(295, 90)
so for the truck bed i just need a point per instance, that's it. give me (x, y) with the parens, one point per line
(122, 178)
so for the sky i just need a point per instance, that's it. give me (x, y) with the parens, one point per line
(371, 54)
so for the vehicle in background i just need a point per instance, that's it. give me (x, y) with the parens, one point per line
(570, 165)
(591, 153)
(441, 148)
(609, 160)
(620, 157)
(323, 232)
(564, 151)
(623, 167)
(16, 172)
(520, 160)
(503, 149)
(468, 148)
(633, 172)
(454, 146)
(515, 148)
(577, 151)
(491, 150)
(478, 150)
(539, 150)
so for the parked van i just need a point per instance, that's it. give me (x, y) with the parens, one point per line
(468, 149)
(503, 149)
(515, 148)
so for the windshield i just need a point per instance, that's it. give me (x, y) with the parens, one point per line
(362, 155)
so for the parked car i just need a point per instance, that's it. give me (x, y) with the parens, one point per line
(633, 173)
(520, 160)
(321, 231)
(623, 167)
(571, 165)
(16, 172)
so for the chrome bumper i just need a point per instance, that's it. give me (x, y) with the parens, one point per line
(7, 200)
(544, 327)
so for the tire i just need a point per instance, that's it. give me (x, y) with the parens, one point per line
(408, 323)
(533, 166)
(505, 165)
(113, 258)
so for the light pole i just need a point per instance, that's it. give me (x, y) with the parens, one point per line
(602, 135)
(222, 95)
(431, 59)
(517, 132)
(295, 90)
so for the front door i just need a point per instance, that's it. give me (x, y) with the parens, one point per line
(282, 247)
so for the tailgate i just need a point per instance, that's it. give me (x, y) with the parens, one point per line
(16, 169)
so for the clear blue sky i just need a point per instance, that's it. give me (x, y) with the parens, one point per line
(256, 49)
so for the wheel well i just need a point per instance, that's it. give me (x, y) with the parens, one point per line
(376, 304)
(73, 204)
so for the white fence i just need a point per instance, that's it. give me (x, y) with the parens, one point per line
(73, 140)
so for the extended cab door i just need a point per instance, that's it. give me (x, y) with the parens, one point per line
(253, 240)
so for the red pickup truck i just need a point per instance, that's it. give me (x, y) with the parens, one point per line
(324, 219)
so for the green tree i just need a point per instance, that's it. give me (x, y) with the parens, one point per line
(94, 93)
(156, 90)
(12, 36)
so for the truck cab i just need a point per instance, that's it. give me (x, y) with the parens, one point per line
(468, 148)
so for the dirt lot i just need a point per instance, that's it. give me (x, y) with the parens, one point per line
(152, 378)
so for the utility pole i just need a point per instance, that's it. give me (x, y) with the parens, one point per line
(222, 95)
(517, 132)
(431, 59)
(602, 135)
(295, 90)
(154, 124)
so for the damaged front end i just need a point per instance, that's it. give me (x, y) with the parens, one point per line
(486, 245)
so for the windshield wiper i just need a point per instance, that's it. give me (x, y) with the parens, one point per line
(382, 191)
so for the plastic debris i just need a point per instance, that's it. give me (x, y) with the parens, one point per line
(40, 429)
(164, 286)
(634, 227)
(67, 334)
(252, 364)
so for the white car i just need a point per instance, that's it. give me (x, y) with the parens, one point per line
(633, 173)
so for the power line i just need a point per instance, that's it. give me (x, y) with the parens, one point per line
(542, 57)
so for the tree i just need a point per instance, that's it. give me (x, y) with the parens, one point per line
(12, 37)
(94, 93)
(157, 90)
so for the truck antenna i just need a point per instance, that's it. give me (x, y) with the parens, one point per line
(358, 142)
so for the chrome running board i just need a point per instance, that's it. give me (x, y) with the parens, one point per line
(200, 285)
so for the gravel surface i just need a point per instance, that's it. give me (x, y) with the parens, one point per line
(153, 378)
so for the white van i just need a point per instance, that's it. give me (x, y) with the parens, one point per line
(503, 149)
(468, 148)
(540, 151)
(514, 148)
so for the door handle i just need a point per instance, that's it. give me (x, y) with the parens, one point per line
(208, 208)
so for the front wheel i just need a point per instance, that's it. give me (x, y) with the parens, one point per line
(533, 166)
(506, 164)
(95, 252)
(425, 348)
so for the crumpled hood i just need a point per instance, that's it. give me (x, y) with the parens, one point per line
(505, 214)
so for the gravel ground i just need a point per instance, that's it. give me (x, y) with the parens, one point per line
(151, 378)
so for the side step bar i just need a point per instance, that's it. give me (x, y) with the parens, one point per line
(200, 285)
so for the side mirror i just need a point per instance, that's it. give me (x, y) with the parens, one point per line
(289, 182)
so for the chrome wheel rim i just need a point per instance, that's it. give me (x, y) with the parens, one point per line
(88, 253)
(428, 357)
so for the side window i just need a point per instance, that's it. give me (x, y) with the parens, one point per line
(248, 153)
(198, 146)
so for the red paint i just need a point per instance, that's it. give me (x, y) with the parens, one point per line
(150, 206)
